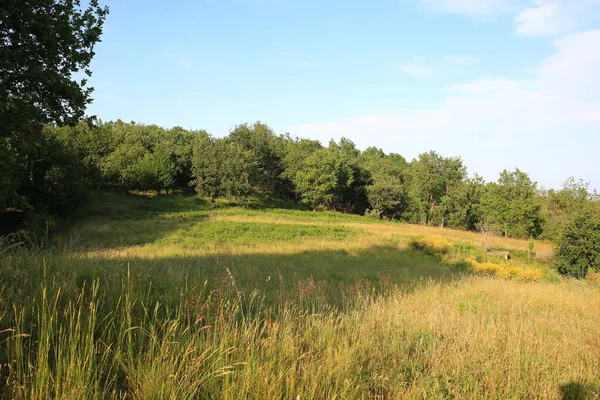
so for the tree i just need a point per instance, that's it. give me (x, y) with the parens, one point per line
(578, 244)
(317, 182)
(559, 205)
(58, 186)
(222, 168)
(125, 166)
(433, 177)
(296, 152)
(513, 204)
(155, 171)
(332, 178)
(487, 229)
(386, 191)
(44, 45)
(461, 207)
(267, 150)
(179, 143)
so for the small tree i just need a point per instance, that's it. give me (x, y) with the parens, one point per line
(578, 245)
(487, 229)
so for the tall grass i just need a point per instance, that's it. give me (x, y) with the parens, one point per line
(477, 337)
(171, 299)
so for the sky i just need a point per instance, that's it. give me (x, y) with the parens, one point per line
(503, 84)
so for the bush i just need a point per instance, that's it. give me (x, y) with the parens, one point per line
(578, 245)
(464, 256)
(509, 271)
(433, 245)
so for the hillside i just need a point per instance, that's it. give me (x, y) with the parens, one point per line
(172, 297)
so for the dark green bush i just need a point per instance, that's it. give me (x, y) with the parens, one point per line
(578, 244)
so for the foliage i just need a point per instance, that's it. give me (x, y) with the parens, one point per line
(513, 205)
(332, 178)
(267, 150)
(434, 182)
(559, 205)
(44, 45)
(431, 190)
(386, 193)
(55, 182)
(578, 244)
(432, 245)
(222, 167)
(508, 271)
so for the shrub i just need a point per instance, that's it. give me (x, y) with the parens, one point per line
(578, 244)
(509, 271)
(464, 255)
(432, 245)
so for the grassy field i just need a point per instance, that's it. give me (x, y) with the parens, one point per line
(172, 298)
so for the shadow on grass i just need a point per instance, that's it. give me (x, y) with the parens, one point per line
(579, 391)
(115, 222)
(328, 277)
(120, 207)
(112, 220)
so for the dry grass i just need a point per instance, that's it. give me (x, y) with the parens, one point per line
(129, 307)
(478, 338)
(366, 235)
(404, 232)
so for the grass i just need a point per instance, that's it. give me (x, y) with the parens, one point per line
(171, 298)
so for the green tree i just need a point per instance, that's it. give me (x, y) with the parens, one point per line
(559, 205)
(433, 181)
(332, 178)
(578, 244)
(125, 166)
(89, 142)
(44, 45)
(296, 151)
(461, 206)
(386, 191)
(155, 171)
(513, 204)
(56, 184)
(267, 150)
(222, 168)
(179, 143)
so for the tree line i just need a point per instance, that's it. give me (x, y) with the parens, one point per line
(255, 161)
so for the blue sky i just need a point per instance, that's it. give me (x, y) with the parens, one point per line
(501, 83)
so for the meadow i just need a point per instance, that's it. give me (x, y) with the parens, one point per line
(176, 298)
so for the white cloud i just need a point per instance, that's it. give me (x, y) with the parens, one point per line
(532, 18)
(545, 19)
(471, 8)
(547, 123)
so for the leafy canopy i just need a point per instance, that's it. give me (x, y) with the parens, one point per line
(578, 244)
(46, 47)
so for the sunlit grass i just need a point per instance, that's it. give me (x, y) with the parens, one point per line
(174, 298)
(476, 338)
